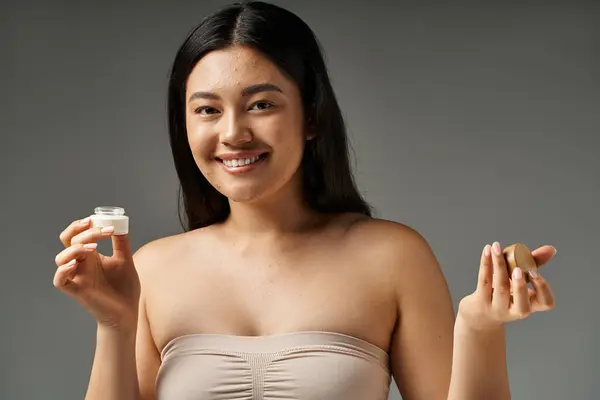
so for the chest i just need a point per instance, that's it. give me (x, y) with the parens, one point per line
(263, 295)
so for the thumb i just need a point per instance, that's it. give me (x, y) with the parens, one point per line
(121, 246)
(544, 254)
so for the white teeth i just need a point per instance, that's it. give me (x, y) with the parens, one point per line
(240, 162)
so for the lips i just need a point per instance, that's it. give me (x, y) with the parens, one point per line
(240, 155)
(240, 163)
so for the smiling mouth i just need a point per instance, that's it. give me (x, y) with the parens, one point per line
(242, 162)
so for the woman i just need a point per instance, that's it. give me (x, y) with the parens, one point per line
(283, 285)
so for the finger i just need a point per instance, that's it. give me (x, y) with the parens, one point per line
(76, 252)
(92, 235)
(544, 298)
(64, 275)
(484, 280)
(73, 229)
(521, 306)
(121, 246)
(501, 294)
(543, 254)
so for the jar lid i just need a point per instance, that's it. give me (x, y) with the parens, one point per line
(109, 210)
(518, 255)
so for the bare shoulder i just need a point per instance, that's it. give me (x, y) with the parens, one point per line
(400, 252)
(421, 346)
(385, 232)
(155, 257)
(149, 255)
(391, 242)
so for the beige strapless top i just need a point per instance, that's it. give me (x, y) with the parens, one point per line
(298, 365)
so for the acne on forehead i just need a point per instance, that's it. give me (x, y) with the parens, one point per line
(237, 66)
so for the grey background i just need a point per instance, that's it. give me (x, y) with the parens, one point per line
(471, 122)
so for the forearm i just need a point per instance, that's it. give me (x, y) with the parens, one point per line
(479, 364)
(114, 374)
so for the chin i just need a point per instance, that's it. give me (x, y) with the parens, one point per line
(247, 188)
(243, 197)
(248, 194)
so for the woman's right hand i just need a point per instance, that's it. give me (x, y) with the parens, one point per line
(107, 287)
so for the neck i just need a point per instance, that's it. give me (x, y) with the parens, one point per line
(283, 212)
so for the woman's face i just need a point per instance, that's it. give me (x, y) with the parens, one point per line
(244, 122)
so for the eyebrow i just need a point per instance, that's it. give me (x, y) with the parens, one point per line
(250, 90)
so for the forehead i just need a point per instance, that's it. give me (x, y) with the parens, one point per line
(235, 67)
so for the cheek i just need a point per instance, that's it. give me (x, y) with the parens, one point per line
(287, 136)
(200, 146)
(289, 147)
(289, 155)
(295, 139)
(293, 149)
(201, 143)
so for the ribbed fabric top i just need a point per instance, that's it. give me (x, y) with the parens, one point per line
(307, 365)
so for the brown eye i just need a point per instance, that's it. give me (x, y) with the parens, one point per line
(262, 105)
(206, 110)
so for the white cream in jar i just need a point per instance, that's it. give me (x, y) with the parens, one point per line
(111, 216)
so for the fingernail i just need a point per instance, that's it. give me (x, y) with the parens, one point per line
(90, 246)
(107, 229)
(85, 221)
(496, 248)
(555, 251)
(486, 250)
(517, 274)
(71, 263)
(533, 273)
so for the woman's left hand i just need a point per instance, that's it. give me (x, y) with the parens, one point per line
(498, 299)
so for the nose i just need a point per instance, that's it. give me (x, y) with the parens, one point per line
(234, 130)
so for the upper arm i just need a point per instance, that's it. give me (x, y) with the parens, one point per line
(421, 348)
(146, 353)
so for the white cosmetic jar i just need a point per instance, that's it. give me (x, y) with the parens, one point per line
(111, 216)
